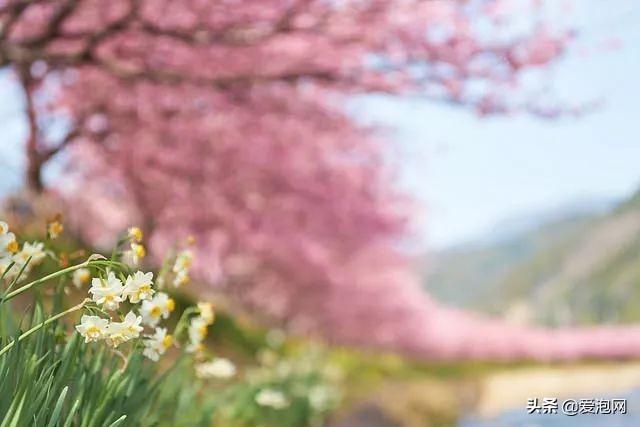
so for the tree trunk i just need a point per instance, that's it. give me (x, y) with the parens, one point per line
(33, 178)
(35, 159)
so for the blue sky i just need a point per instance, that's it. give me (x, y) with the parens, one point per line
(470, 174)
(12, 134)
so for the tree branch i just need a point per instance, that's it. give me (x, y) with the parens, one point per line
(52, 151)
(34, 158)
(53, 26)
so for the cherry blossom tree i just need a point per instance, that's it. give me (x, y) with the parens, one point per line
(225, 120)
(226, 49)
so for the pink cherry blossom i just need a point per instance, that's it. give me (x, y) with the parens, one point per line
(224, 120)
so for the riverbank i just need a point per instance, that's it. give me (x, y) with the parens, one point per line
(509, 390)
(478, 393)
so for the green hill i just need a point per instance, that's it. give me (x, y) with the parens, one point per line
(581, 268)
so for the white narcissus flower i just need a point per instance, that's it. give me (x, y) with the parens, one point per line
(198, 329)
(92, 328)
(107, 293)
(217, 368)
(138, 287)
(115, 334)
(81, 277)
(197, 332)
(54, 229)
(183, 262)
(272, 398)
(159, 307)
(206, 312)
(181, 279)
(34, 250)
(134, 254)
(135, 234)
(5, 262)
(8, 243)
(181, 268)
(128, 329)
(132, 326)
(157, 344)
(194, 347)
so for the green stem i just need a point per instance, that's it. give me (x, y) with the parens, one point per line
(6, 270)
(51, 276)
(40, 325)
(17, 278)
(180, 326)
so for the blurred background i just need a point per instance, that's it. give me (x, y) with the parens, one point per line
(444, 193)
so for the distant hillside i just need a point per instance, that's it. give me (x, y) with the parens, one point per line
(577, 266)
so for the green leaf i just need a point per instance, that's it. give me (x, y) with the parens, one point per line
(118, 421)
(55, 416)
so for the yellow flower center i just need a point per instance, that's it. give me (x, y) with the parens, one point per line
(13, 246)
(93, 331)
(202, 330)
(139, 250)
(135, 234)
(167, 341)
(55, 228)
(156, 311)
(171, 304)
(116, 339)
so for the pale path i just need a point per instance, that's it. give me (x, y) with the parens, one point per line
(509, 390)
